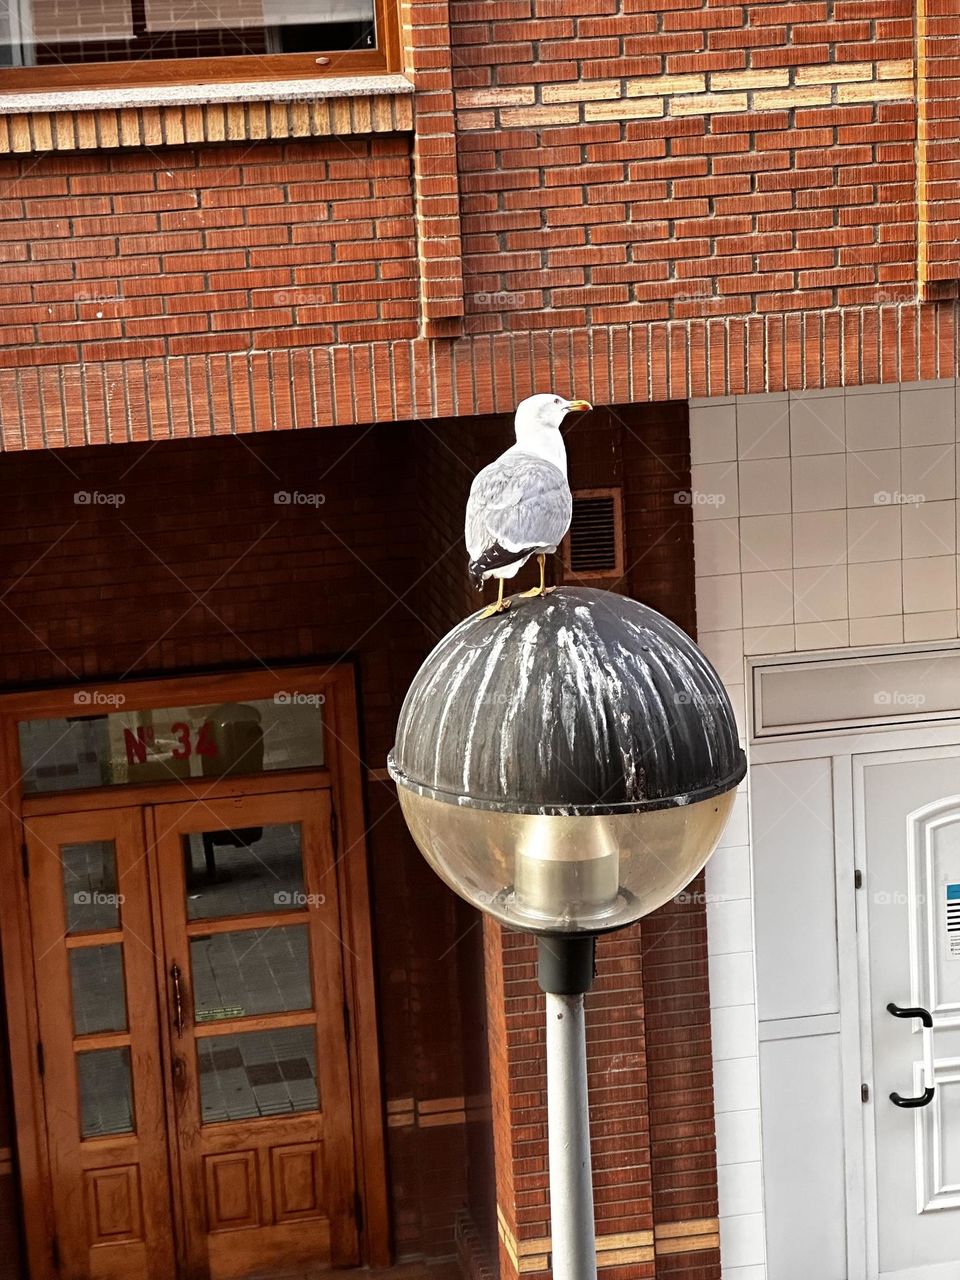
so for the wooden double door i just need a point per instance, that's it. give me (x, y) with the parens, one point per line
(195, 1066)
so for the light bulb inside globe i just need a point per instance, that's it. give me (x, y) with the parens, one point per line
(558, 876)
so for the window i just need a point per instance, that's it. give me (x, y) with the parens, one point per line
(123, 748)
(74, 44)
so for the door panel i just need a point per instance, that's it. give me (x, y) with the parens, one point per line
(248, 899)
(103, 1094)
(912, 840)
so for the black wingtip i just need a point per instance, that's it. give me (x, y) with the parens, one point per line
(495, 557)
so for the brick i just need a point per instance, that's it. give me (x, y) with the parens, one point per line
(539, 115)
(590, 91)
(496, 97)
(749, 79)
(877, 92)
(708, 102)
(786, 99)
(663, 85)
(623, 110)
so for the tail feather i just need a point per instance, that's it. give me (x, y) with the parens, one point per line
(495, 557)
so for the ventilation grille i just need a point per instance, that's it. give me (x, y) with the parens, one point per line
(594, 546)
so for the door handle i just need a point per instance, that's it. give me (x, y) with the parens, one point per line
(177, 1000)
(926, 1021)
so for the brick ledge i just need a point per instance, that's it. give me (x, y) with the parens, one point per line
(50, 398)
(176, 116)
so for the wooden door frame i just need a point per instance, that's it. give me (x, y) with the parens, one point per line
(342, 773)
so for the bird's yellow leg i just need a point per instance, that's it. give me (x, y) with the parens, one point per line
(500, 607)
(542, 590)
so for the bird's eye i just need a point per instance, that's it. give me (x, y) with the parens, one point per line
(556, 399)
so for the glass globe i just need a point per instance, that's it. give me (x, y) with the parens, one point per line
(565, 873)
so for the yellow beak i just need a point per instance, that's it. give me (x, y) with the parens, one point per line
(580, 406)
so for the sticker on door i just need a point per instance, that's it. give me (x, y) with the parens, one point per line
(953, 920)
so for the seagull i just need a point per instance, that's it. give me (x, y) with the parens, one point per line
(520, 505)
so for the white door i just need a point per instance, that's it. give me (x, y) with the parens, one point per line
(910, 850)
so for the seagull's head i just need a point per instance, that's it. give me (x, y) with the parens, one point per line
(546, 411)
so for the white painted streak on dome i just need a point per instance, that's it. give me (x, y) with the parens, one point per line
(659, 730)
(425, 691)
(569, 704)
(632, 777)
(528, 654)
(492, 656)
(446, 660)
(544, 744)
(588, 682)
(466, 658)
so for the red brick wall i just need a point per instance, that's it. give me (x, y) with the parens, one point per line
(132, 254)
(653, 199)
(577, 214)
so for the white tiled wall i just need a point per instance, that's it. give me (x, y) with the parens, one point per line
(822, 519)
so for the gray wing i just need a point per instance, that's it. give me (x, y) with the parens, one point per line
(520, 502)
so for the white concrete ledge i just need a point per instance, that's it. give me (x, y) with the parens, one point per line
(181, 95)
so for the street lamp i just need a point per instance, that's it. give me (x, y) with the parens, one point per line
(567, 767)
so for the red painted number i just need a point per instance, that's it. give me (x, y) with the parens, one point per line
(203, 745)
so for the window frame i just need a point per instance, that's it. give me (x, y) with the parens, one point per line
(170, 72)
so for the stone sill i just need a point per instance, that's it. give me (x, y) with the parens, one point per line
(176, 115)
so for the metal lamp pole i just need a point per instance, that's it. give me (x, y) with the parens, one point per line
(565, 972)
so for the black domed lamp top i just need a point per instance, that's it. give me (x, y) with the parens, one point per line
(582, 702)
